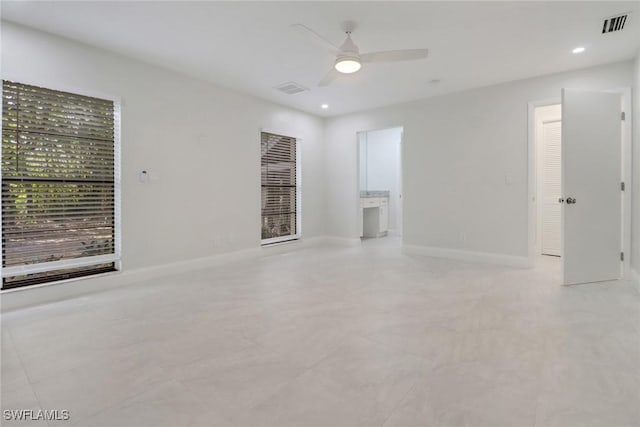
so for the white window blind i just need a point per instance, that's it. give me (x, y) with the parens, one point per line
(279, 188)
(58, 185)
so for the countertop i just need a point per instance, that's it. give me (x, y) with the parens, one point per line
(366, 194)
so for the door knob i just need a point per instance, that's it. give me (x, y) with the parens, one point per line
(571, 200)
(561, 200)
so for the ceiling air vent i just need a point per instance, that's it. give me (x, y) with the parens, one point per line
(614, 23)
(290, 88)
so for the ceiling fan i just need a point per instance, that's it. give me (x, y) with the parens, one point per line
(348, 57)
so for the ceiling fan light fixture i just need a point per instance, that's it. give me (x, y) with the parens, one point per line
(348, 64)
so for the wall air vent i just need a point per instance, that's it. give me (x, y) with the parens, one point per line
(290, 88)
(614, 23)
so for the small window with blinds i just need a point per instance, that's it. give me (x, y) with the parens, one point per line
(59, 168)
(280, 188)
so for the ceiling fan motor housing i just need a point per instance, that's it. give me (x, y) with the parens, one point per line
(349, 47)
(348, 61)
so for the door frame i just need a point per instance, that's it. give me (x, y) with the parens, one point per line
(626, 176)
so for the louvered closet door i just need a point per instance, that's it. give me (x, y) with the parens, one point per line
(279, 190)
(551, 136)
(58, 185)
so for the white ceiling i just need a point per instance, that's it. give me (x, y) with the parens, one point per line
(251, 47)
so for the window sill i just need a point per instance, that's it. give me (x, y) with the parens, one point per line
(59, 282)
(280, 240)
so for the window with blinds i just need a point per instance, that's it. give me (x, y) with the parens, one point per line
(58, 185)
(279, 188)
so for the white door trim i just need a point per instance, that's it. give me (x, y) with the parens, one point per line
(626, 171)
(627, 161)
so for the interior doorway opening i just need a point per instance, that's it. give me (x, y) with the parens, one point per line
(380, 182)
(548, 147)
(595, 177)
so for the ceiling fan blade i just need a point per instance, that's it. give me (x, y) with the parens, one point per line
(331, 76)
(316, 38)
(394, 55)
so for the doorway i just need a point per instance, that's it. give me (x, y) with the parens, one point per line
(380, 183)
(548, 140)
(587, 145)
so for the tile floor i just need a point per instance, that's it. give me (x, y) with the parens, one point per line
(333, 336)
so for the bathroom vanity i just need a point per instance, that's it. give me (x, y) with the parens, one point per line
(374, 213)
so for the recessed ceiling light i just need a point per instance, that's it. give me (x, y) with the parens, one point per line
(324, 106)
(579, 49)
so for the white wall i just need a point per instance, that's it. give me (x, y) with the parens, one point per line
(464, 162)
(383, 167)
(635, 214)
(200, 140)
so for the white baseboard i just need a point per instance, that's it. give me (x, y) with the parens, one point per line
(635, 279)
(470, 256)
(12, 299)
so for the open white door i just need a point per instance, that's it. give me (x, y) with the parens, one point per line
(591, 194)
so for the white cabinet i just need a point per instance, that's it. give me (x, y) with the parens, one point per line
(384, 219)
(374, 216)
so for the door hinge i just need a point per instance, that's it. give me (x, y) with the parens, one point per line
(623, 116)
(622, 186)
(621, 256)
